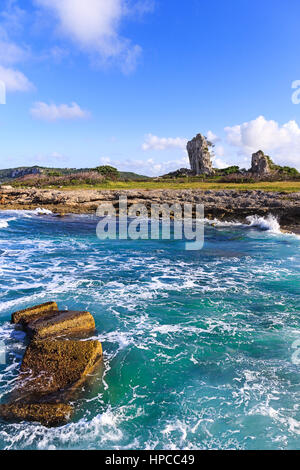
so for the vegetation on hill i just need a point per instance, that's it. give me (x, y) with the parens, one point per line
(42, 176)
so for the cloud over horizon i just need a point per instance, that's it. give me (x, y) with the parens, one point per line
(281, 142)
(152, 142)
(147, 167)
(53, 112)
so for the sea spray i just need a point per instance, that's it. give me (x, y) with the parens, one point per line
(269, 223)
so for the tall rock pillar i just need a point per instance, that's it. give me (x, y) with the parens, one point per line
(199, 155)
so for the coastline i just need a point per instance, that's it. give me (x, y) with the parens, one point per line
(226, 205)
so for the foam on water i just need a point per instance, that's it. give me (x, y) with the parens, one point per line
(269, 223)
(5, 222)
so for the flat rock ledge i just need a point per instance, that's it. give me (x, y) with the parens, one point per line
(33, 313)
(49, 415)
(60, 324)
(54, 367)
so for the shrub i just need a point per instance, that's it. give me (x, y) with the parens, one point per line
(72, 179)
(108, 172)
(228, 171)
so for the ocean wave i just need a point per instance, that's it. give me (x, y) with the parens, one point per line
(16, 214)
(105, 428)
(269, 223)
(28, 213)
(5, 222)
(41, 211)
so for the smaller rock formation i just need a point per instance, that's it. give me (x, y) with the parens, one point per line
(199, 155)
(47, 414)
(33, 313)
(261, 164)
(181, 173)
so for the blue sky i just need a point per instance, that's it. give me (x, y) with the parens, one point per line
(128, 82)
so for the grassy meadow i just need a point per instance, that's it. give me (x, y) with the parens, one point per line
(275, 186)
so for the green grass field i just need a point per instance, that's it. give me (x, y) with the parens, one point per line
(281, 186)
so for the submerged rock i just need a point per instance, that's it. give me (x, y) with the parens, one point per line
(46, 414)
(33, 313)
(60, 324)
(55, 367)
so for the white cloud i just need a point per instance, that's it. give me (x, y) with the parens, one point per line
(94, 26)
(14, 80)
(281, 142)
(219, 163)
(148, 167)
(10, 52)
(152, 142)
(219, 151)
(218, 160)
(53, 112)
(213, 137)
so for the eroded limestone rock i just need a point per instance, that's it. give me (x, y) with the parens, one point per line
(260, 164)
(199, 155)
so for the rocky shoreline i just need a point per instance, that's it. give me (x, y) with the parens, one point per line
(224, 205)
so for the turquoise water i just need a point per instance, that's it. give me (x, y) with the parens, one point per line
(197, 345)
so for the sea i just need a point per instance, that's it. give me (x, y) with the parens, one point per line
(201, 348)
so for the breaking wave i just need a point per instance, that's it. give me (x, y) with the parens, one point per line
(5, 222)
(269, 223)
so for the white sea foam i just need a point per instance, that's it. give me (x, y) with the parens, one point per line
(269, 223)
(28, 213)
(41, 211)
(5, 222)
(103, 429)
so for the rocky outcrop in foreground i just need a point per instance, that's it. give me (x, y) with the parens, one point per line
(225, 204)
(54, 367)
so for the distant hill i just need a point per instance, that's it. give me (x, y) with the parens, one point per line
(11, 174)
